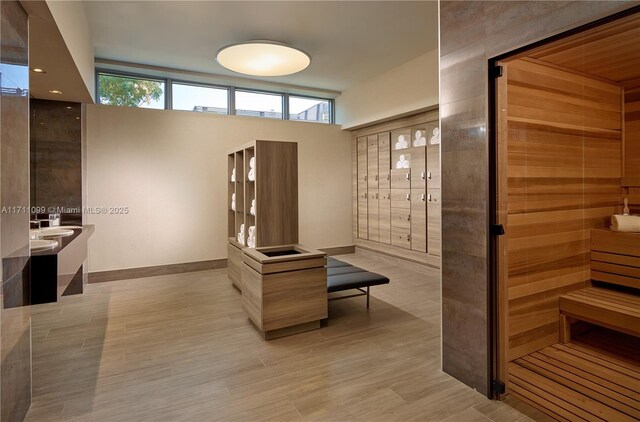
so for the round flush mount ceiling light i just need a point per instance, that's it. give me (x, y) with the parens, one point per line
(263, 58)
(55, 91)
(38, 70)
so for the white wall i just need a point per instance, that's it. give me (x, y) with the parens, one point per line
(73, 25)
(405, 88)
(169, 168)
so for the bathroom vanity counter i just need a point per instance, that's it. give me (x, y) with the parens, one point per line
(59, 271)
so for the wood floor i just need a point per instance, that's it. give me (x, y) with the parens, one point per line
(180, 348)
(580, 382)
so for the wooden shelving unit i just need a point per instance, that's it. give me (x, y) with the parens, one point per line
(272, 189)
(397, 188)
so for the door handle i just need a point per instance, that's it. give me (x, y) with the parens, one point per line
(376, 177)
(365, 178)
(422, 197)
(408, 197)
(429, 197)
(422, 175)
(376, 196)
(408, 176)
(429, 175)
(408, 238)
(388, 176)
(409, 217)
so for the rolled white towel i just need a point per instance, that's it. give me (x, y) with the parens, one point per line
(252, 175)
(625, 223)
(252, 211)
(233, 175)
(252, 162)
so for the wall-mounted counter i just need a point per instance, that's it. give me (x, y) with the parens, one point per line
(58, 271)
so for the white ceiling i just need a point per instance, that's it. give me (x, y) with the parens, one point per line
(349, 41)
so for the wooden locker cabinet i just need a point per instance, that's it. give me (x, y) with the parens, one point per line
(392, 205)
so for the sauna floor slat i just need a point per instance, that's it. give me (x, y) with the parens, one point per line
(578, 382)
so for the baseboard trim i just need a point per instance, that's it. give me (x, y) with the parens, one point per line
(140, 272)
(187, 267)
(339, 250)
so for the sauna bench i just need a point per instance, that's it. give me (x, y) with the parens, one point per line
(613, 300)
(59, 271)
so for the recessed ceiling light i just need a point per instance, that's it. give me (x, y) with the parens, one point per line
(69, 107)
(263, 58)
(55, 91)
(38, 70)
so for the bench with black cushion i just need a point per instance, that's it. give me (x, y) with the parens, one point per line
(343, 276)
(334, 263)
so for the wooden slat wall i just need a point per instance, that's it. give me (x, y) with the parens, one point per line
(632, 132)
(564, 171)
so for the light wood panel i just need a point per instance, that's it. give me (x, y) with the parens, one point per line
(373, 215)
(276, 189)
(632, 135)
(400, 178)
(234, 263)
(563, 135)
(610, 51)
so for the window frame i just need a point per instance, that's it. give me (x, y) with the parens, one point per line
(167, 94)
(231, 94)
(200, 85)
(309, 97)
(282, 95)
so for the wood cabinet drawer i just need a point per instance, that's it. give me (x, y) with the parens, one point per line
(401, 198)
(400, 178)
(401, 218)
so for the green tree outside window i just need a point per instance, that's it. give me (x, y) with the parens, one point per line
(130, 92)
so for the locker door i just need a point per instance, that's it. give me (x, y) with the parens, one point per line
(384, 161)
(384, 220)
(433, 158)
(418, 220)
(434, 221)
(363, 226)
(372, 187)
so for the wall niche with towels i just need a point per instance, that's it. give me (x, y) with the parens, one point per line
(56, 158)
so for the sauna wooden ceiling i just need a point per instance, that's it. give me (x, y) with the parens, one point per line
(610, 51)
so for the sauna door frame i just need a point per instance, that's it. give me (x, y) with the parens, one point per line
(498, 314)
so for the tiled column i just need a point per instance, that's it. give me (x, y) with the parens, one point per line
(471, 33)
